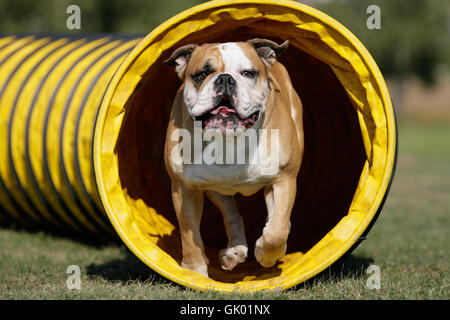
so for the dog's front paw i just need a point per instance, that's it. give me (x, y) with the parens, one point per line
(267, 253)
(200, 268)
(230, 257)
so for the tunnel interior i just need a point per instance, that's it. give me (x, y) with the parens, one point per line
(333, 161)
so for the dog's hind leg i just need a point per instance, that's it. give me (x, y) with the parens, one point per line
(236, 251)
(188, 206)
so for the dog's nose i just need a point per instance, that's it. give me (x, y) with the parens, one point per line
(225, 81)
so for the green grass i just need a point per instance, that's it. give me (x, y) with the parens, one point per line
(410, 243)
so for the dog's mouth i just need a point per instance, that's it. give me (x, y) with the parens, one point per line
(224, 117)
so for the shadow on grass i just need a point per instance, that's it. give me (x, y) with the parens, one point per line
(131, 269)
(128, 269)
(83, 237)
(347, 267)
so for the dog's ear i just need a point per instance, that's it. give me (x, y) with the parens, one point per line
(268, 50)
(180, 58)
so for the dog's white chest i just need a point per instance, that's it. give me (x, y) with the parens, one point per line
(228, 179)
(245, 175)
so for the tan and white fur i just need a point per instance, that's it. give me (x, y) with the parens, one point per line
(259, 95)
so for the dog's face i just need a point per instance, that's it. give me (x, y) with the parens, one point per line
(226, 86)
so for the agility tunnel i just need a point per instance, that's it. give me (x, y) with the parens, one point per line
(82, 130)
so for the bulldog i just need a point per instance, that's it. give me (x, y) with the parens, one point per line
(233, 89)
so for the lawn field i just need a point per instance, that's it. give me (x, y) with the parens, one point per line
(409, 243)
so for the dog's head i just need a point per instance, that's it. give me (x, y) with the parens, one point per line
(226, 85)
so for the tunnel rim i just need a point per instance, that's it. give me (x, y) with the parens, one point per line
(377, 204)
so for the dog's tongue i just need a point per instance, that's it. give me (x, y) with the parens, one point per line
(223, 110)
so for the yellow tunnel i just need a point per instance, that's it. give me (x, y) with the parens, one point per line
(82, 130)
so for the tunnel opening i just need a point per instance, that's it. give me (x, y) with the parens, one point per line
(333, 160)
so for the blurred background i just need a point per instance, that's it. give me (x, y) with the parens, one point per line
(410, 239)
(412, 48)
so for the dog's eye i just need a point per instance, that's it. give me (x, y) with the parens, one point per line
(249, 73)
(200, 76)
